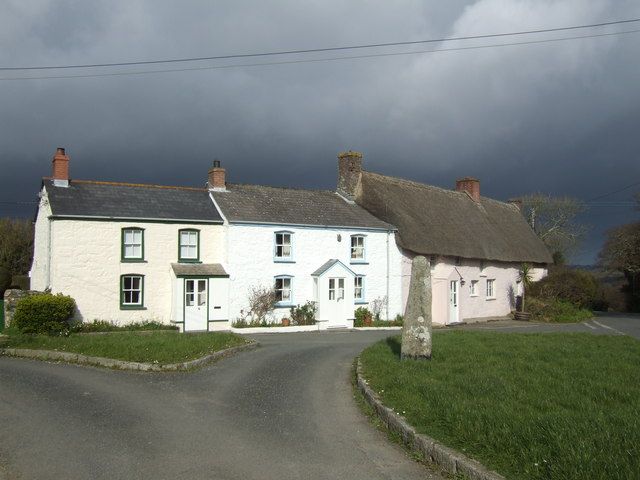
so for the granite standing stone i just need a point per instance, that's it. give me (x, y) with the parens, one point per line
(416, 331)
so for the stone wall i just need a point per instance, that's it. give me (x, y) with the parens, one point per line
(11, 298)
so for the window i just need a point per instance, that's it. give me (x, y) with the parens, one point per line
(358, 290)
(283, 289)
(131, 291)
(491, 289)
(191, 296)
(132, 244)
(473, 288)
(357, 248)
(283, 249)
(482, 267)
(189, 249)
(336, 288)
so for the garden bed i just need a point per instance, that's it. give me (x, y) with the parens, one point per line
(528, 406)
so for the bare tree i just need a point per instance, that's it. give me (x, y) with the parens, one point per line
(621, 252)
(554, 221)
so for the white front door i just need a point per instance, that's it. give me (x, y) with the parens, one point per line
(336, 303)
(453, 301)
(195, 304)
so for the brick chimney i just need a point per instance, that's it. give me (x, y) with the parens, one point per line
(471, 186)
(60, 168)
(349, 173)
(217, 178)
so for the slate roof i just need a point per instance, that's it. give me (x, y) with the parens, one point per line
(131, 201)
(435, 221)
(327, 265)
(199, 269)
(289, 206)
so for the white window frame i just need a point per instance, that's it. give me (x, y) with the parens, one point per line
(491, 288)
(139, 243)
(280, 292)
(356, 287)
(189, 233)
(276, 244)
(473, 288)
(337, 291)
(354, 249)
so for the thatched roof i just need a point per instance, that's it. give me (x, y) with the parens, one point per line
(435, 221)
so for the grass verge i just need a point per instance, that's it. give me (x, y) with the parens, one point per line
(530, 406)
(153, 347)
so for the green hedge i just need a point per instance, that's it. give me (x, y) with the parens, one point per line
(44, 314)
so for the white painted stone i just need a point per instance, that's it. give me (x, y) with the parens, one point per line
(252, 263)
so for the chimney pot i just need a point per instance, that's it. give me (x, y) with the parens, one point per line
(349, 174)
(217, 177)
(471, 186)
(60, 168)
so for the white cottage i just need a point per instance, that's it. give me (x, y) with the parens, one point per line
(191, 256)
(312, 245)
(129, 252)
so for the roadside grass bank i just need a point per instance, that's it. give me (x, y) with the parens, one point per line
(150, 347)
(529, 406)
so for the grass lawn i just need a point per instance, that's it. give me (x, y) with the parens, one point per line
(161, 346)
(531, 406)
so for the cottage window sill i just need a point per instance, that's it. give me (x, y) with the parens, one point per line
(490, 298)
(133, 260)
(186, 260)
(360, 302)
(132, 307)
(283, 260)
(359, 262)
(473, 296)
(284, 305)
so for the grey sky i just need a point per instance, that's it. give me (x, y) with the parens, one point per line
(560, 118)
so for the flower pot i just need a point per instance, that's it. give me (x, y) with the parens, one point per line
(286, 322)
(367, 321)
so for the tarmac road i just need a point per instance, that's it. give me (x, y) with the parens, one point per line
(282, 411)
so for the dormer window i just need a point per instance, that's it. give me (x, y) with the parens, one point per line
(357, 248)
(283, 250)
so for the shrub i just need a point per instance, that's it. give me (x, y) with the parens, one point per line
(556, 311)
(577, 287)
(262, 301)
(362, 317)
(378, 305)
(304, 314)
(44, 314)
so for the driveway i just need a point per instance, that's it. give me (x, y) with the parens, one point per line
(282, 411)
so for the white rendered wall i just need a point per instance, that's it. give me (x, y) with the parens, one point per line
(86, 264)
(251, 263)
(40, 264)
(504, 274)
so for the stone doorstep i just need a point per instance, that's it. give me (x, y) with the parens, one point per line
(122, 364)
(448, 459)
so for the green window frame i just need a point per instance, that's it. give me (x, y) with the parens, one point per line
(132, 291)
(129, 242)
(187, 247)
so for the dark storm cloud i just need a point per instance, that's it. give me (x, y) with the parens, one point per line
(559, 118)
